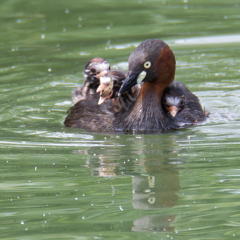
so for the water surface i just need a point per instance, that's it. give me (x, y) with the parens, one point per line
(60, 183)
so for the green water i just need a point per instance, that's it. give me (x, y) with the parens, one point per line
(60, 183)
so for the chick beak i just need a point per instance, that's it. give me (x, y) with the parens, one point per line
(173, 111)
(102, 100)
(101, 87)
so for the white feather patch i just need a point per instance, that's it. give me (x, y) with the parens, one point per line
(141, 76)
(173, 101)
(105, 80)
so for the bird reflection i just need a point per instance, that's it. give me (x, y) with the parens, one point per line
(154, 187)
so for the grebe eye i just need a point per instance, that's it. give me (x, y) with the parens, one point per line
(147, 64)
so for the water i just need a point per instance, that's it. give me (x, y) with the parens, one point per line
(60, 183)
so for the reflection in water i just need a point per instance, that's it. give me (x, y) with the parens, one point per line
(154, 223)
(154, 189)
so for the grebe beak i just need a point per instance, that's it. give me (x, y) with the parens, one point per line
(129, 82)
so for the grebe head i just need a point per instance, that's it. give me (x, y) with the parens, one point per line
(152, 61)
(173, 100)
(96, 66)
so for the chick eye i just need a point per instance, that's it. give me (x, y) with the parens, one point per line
(147, 64)
(93, 70)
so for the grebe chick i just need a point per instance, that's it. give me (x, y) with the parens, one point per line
(173, 100)
(92, 72)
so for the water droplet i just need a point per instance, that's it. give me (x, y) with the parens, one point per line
(43, 36)
(79, 25)
(17, 197)
(120, 207)
(18, 20)
(67, 11)
(76, 198)
(29, 181)
(43, 28)
(79, 19)
(64, 29)
(65, 166)
(53, 164)
(49, 69)
(22, 222)
(44, 214)
(185, 1)
(83, 194)
(225, 17)
(108, 27)
(35, 168)
(83, 217)
(13, 49)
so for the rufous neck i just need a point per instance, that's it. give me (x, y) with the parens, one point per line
(152, 90)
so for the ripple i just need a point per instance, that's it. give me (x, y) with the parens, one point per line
(123, 46)
(63, 144)
(208, 40)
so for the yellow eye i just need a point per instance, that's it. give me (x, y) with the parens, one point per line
(147, 64)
